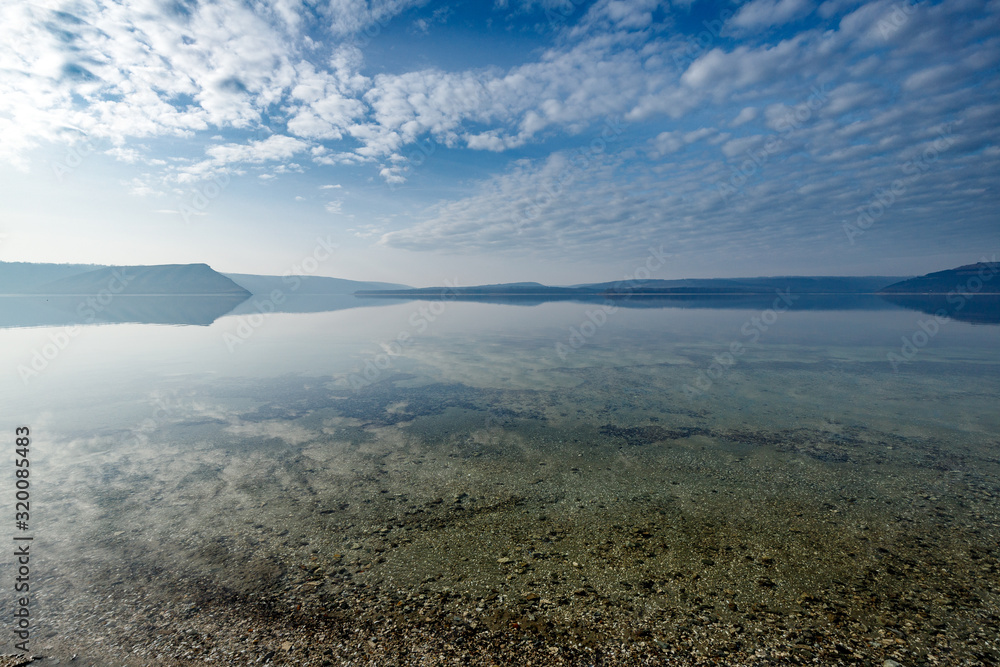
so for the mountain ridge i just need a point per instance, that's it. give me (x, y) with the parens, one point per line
(158, 279)
(684, 286)
(970, 278)
(48, 279)
(304, 285)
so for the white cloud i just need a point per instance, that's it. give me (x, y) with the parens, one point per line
(347, 17)
(931, 77)
(745, 115)
(666, 143)
(323, 101)
(129, 155)
(766, 13)
(131, 64)
(489, 141)
(276, 147)
(722, 72)
(140, 186)
(366, 231)
(838, 139)
(534, 5)
(133, 69)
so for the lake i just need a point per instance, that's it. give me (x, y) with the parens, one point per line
(442, 481)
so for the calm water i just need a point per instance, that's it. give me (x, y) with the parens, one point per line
(662, 460)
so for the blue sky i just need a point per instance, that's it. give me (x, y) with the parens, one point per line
(549, 140)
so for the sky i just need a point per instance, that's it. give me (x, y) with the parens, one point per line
(559, 141)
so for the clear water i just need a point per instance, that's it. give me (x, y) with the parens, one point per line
(635, 462)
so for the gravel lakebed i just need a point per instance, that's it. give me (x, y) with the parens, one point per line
(386, 531)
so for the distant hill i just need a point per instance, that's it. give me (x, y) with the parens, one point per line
(165, 279)
(692, 286)
(294, 284)
(981, 277)
(796, 284)
(501, 289)
(23, 277)
(196, 294)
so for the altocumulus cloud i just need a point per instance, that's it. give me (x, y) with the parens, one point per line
(285, 82)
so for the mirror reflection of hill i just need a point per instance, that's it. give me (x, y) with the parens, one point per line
(307, 303)
(639, 300)
(28, 311)
(975, 309)
(54, 311)
(980, 309)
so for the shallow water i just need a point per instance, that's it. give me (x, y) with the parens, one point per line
(666, 469)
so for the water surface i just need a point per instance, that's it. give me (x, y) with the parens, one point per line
(671, 481)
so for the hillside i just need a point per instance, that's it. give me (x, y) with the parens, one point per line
(23, 277)
(705, 287)
(981, 277)
(294, 284)
(166, 279)
(797, 284)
